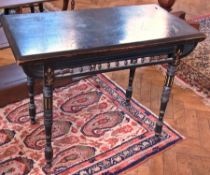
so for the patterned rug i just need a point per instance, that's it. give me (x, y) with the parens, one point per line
(194, 70)
(94, 132)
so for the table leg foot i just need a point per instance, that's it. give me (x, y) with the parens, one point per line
(48, 111)
(32, 106)
(129, 90)
(48, 156)
(33, 122)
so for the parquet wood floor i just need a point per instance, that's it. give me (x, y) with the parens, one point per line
(186, 112)
(192, 7)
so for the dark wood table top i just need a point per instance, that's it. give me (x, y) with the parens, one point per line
(15, 3)
(44, 36)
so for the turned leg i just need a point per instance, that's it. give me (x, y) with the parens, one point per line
(48, 111)
(130, 83)
(41, 7)
(166, 93)
(32, 106)
(32, 9)
(65, 4)
(72, 4)
(6, 11)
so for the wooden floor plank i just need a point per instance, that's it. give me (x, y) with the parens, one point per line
(170, 163)
(156, 166)
(155, 99)
(184, 165)
(204, 131)
(197, 166)
(145, 92)
(192, 124)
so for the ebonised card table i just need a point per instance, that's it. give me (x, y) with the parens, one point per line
(60, 44)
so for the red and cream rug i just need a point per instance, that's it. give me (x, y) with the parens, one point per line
(94, 132)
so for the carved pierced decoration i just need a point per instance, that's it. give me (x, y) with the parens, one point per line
(109, 66)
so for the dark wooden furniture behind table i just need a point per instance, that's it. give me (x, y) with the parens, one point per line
(14, 80)
(16, 4)
(12, 77)
(13, 4)
(96, 41)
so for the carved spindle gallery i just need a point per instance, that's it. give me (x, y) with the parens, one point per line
(89, 67)
(134, 61)
(93, 66)
(108, 65)
(71, 70)
(126, 62)
(81, 69)
(131, 61)
(117, 63)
